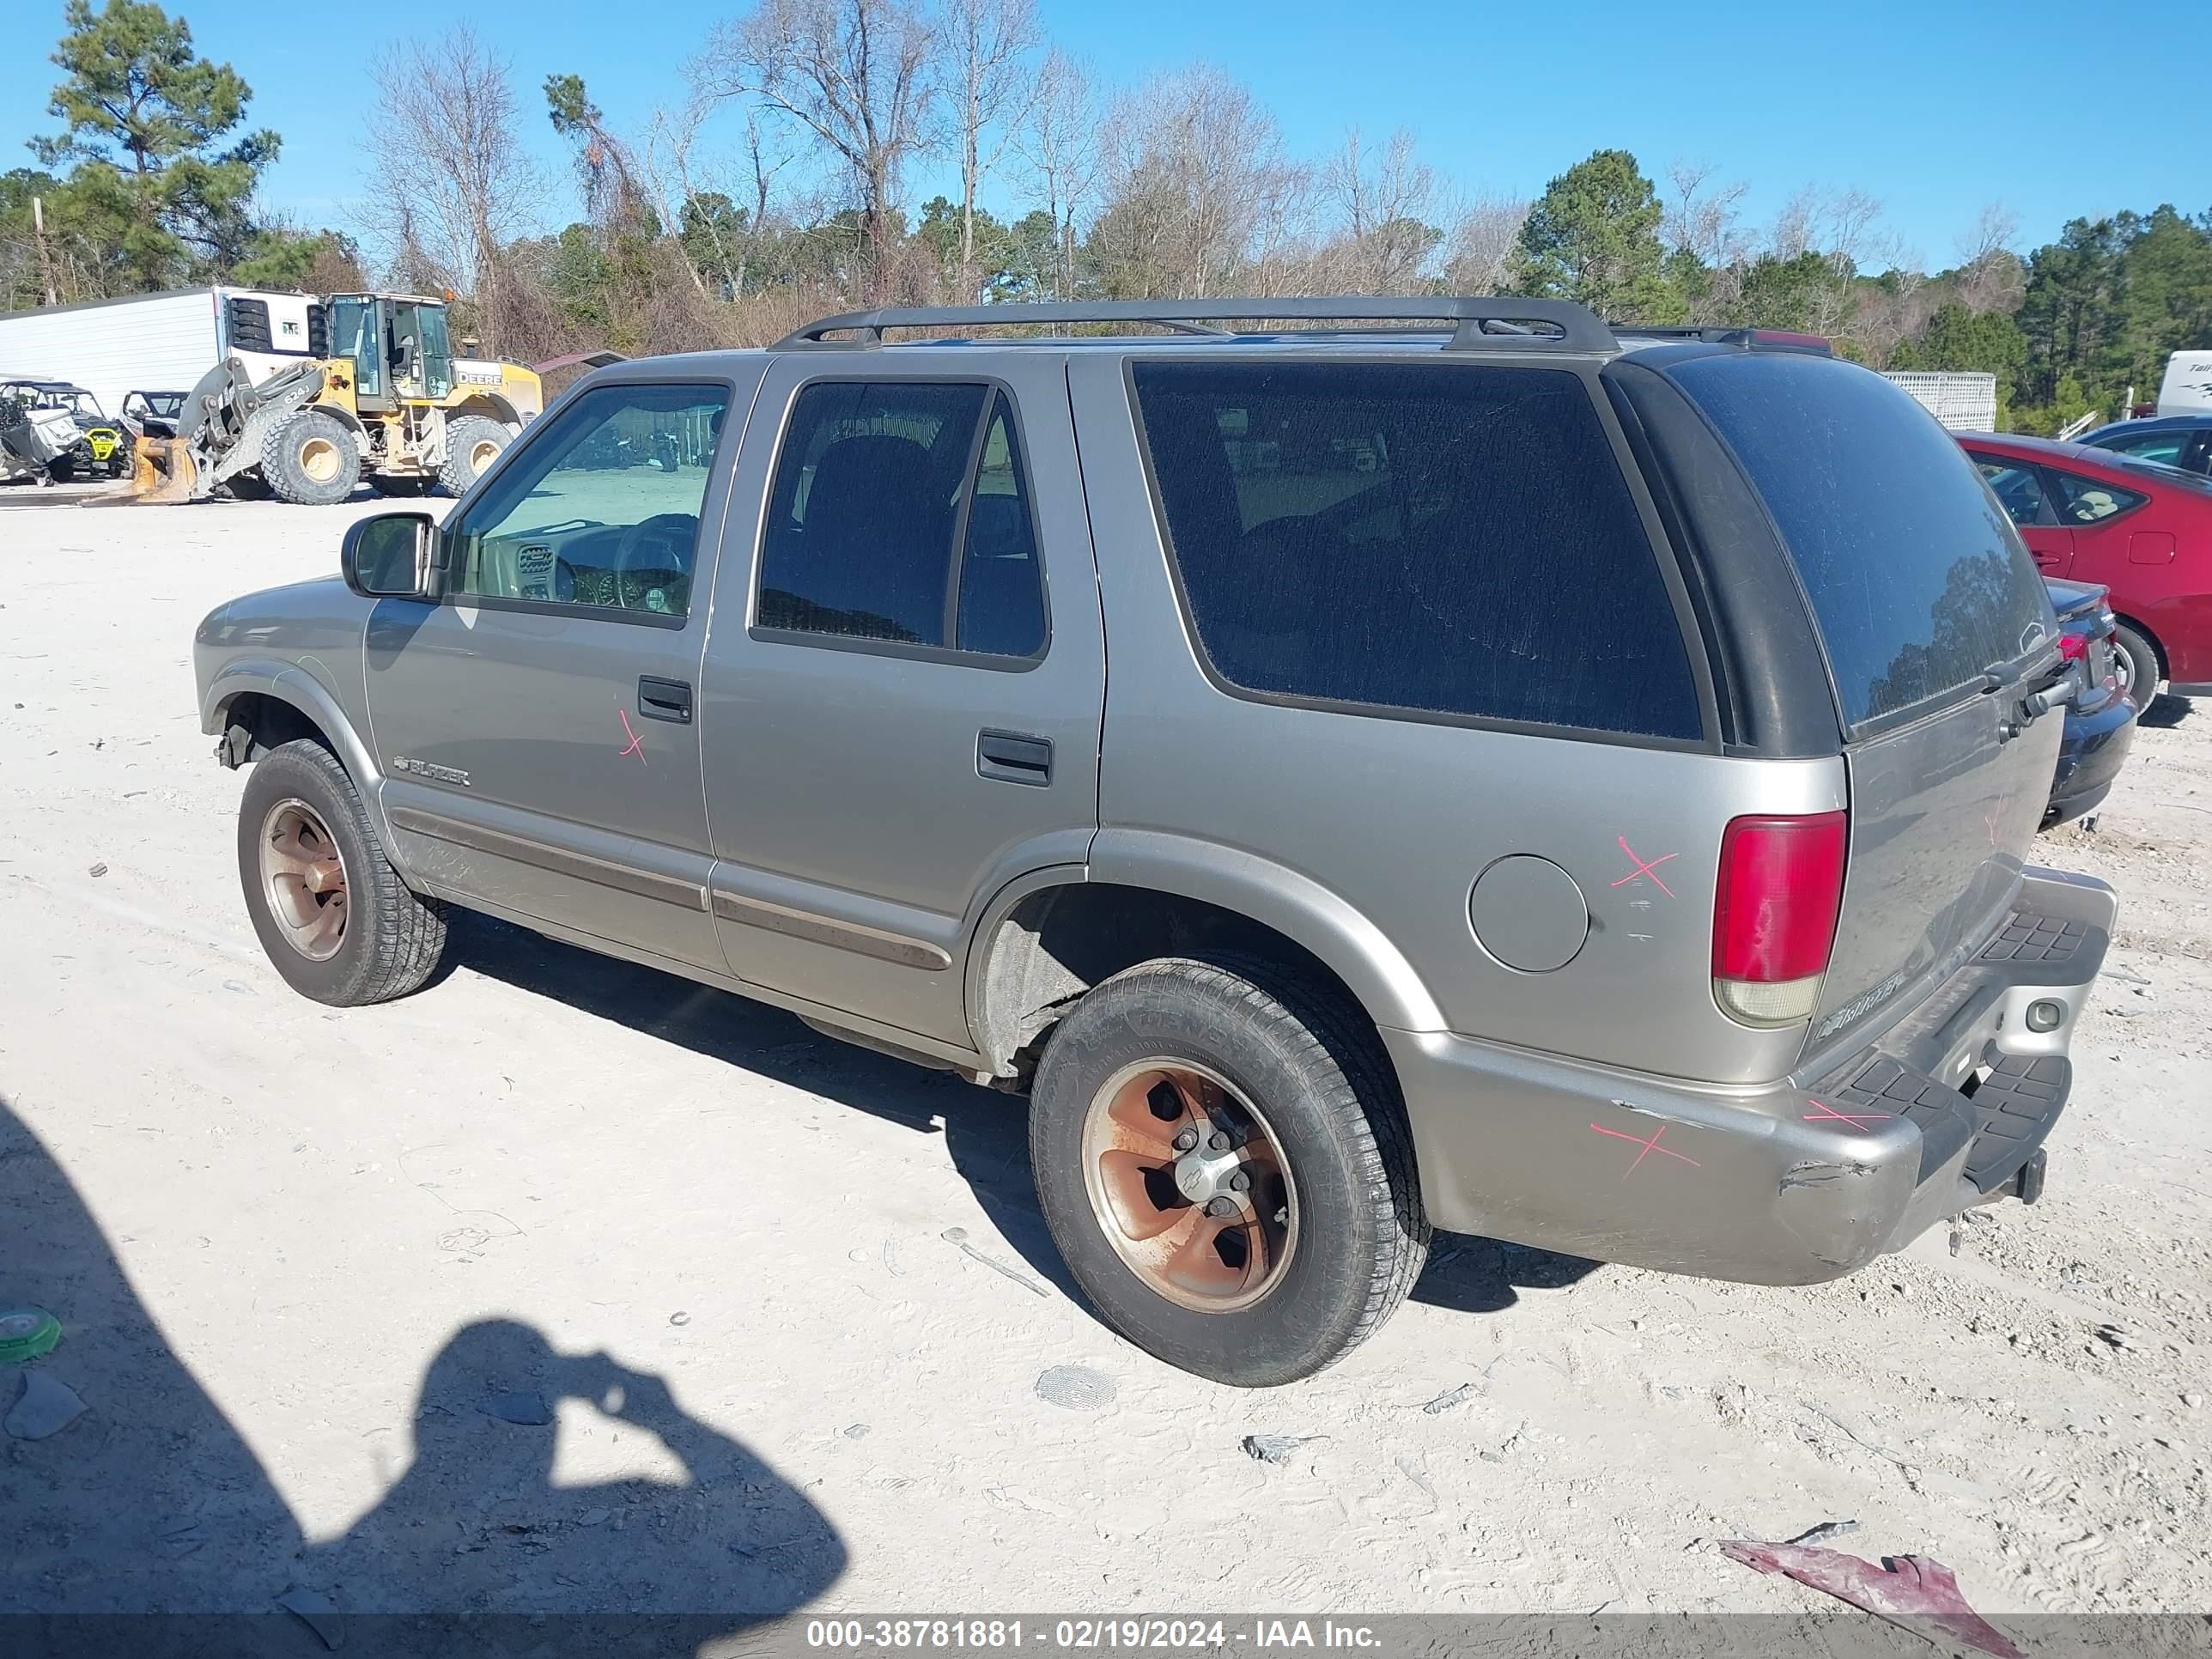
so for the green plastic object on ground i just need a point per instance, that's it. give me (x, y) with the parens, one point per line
(26, 1333)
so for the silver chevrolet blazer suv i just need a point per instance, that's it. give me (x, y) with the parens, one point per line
(1354, 766)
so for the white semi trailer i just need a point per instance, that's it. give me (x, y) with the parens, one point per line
(162, 342)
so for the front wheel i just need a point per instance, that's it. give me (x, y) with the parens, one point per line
(1222, 1156)
(337, 922)
(472, 443)
(312, 460)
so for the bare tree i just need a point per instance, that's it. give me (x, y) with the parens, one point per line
(454, 185)
(1382, 202)
(1059, 142)
(856, 74)
(1200, 194)
(1843, 225)
(1479, 253)
(1701, 215)
(1990, 275)
(991, 43)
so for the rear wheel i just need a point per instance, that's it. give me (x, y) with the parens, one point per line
(312, 460)
(1222, 1156)
(472, 443)
(337, 922)
(2137, 662)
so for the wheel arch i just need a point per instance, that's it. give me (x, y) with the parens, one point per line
(254, 707)
(345, 415)
(493, 406)
(1048, 936)
(2128, 619)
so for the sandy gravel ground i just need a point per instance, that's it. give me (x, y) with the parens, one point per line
(797, 1327)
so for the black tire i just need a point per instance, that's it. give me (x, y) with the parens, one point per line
(1320, 1078)
(313, 459)
(392, 936)
(2142, 664)
(467, 441)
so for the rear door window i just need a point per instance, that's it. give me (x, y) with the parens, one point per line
(1917, 577)
(901, 514)
(2019, 489)
(1443, 540)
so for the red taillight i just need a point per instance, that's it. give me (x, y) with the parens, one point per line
(1774, 913)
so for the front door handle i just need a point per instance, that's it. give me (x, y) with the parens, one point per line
(1013, 757)
(665, 699)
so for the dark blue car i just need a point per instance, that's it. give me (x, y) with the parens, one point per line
(2181, 440)
(2100, 723)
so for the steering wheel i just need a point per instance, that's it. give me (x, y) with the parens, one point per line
(652, 564)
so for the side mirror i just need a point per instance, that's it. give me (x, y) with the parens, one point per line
(392, 556)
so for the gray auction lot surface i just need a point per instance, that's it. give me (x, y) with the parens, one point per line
(564, 1286)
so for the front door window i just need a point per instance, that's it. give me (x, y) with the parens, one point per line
(602, 510)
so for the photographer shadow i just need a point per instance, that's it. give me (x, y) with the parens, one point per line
(131, 1493)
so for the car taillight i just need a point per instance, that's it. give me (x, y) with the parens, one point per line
(1774, 914)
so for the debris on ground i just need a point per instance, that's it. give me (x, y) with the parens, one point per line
(1075, 1388)
(523, 1407)
(1450, 1397)
(46, 1407)
(314, 1610)
(854, 1431)
(1824, 1531)
(97, 871)
(1910, 1591)
(2119, 1336)
(959, 1236)
(1276, 1448)
(26, 1333)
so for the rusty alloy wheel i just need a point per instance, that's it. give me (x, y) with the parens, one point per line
(303, 878)
(1188, 1184)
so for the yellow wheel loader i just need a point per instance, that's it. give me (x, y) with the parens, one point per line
(389, 402)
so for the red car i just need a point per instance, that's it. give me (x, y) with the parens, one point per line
(2141, 529)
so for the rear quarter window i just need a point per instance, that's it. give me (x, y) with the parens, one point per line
(1446, 539)
(1916, 578)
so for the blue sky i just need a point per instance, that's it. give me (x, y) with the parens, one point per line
(1936, 109)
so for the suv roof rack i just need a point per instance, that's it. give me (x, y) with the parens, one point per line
(1778, 340)
(1567, 325)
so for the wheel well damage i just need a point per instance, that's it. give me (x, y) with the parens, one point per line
(255, 722)
(1058, 943)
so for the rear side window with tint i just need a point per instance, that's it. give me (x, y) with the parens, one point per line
(901, 514)
(1917, 577)
(1443, 538)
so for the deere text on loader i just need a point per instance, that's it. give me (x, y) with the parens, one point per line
(389, 402)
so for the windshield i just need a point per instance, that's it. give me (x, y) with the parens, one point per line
(1916, 576)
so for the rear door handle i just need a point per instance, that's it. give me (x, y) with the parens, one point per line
(665, 699)
(1013, 757)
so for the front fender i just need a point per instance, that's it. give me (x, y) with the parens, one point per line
(289, 682)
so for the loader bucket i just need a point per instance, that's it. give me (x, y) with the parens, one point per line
(162, 470)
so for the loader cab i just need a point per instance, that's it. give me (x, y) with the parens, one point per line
(399, 345)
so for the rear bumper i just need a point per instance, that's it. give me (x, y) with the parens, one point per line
(1785, 1183)
(2089, 758)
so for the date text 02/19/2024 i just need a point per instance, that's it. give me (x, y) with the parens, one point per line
(1084, 1635)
